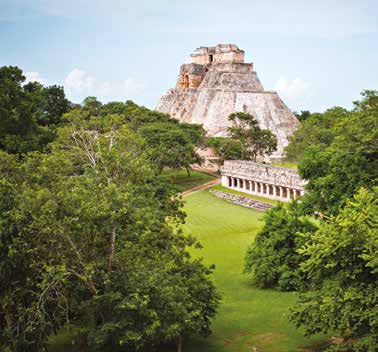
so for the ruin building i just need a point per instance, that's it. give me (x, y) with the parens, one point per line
(264, 180)
(218, 83)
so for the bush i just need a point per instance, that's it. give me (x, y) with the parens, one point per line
(272, 259)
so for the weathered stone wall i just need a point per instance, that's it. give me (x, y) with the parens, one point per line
(232, 56)
(274, 175)
(191, 76)
(263, 180)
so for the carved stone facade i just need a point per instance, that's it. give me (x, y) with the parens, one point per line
(218, 83)
(264, 180)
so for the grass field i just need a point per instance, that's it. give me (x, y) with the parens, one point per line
(291, 165)
(247, 316)
(184, 182)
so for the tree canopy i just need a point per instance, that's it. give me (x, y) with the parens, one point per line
(342, 266)
(254, 140)
(335, 171)
(273, 258)
(335, 262)
(29, 112)
(225, 149)
(90, 236)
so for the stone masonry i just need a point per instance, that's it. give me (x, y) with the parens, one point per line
(243, 201)
(263, 180)
(217, 83)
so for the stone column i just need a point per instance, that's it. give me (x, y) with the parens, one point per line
(250, 186)
(287, 193)
(281, 192)
(255, 187)
(274, 191)
(224, 181)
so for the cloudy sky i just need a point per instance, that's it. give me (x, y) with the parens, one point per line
(316, 54)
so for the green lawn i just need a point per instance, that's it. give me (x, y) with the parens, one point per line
(288, 164)
(247, 316)
(184, 182)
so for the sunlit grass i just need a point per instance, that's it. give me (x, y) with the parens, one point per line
(184, 182)
(248, 316)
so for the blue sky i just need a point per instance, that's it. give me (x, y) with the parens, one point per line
(317, 54)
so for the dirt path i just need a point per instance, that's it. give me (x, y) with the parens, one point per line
(211, 172)
(201, 187)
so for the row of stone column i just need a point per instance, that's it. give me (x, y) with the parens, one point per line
(263, 189)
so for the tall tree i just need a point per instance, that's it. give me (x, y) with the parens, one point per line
(273, 258)
(303, 115)
(317, 129)
(254, 140)
(172, 145)
(28, 112)
(88, 235)
(342, 267)
(335, 172)
(225, 149)
(92, 105)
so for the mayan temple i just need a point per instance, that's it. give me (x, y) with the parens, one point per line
(217, 83)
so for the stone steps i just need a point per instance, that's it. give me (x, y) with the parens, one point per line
(243, 201)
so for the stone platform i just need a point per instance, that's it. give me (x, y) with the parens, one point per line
(243, 201)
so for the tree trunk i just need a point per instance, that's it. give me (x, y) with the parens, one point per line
(7, 315)
(112, 248)
(188, 171)
(179, 344)
(91, 286)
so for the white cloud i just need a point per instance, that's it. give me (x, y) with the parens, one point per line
(79, 83)
(34, 77)
(293, 91)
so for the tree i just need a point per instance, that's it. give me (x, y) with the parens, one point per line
(92, 105)
(315, 130)
(336, 171)
(173, 145)
(303, 115)
(341, 264)
(225, 149)
(272, 258)
(89, 236)
(55, 105)
(28, 112)
(254, 140)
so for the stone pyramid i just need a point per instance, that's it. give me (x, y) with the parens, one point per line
(217, 83)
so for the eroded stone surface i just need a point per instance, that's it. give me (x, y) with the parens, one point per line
(274, 175)
(263, 180)
(218, 83)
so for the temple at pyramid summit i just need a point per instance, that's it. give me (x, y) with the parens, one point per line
(218, 83)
